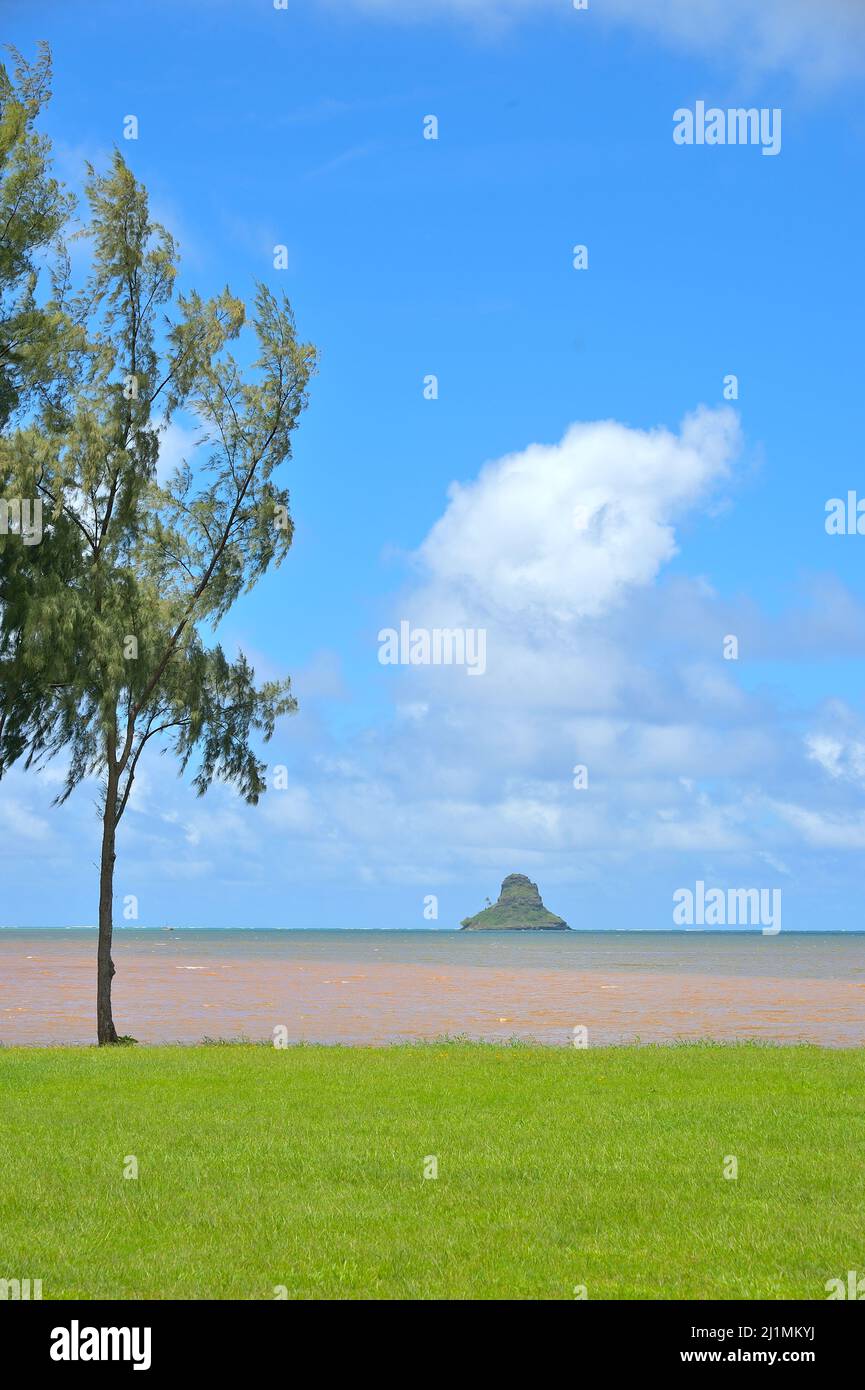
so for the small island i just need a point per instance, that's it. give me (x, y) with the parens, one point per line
(519, 908)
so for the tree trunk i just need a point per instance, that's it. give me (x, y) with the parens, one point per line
(105, 1030)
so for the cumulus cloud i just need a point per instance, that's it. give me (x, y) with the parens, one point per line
(566, 530)
(545, 552)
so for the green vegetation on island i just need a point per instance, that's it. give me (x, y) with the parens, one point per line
(519, 908)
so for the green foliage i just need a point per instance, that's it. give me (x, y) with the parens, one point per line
(100, 626)
(518, 908)
(33, 211)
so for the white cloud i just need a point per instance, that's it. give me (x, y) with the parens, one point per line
(562, 532)
(823, 830)
(821, 40)
(838, 746)
(16, 820)
(488, 768)
(176, 445)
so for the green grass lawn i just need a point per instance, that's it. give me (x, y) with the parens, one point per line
(556, 1168)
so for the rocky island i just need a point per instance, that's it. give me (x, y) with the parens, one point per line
(519, 908)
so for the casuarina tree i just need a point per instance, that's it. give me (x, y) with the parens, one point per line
(103, 617)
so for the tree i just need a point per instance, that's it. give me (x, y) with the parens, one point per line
(105, 616)
(39, 350)
(33, 210)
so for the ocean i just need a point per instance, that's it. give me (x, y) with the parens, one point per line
(397, 986)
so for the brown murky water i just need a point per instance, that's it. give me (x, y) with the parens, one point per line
(187, 985)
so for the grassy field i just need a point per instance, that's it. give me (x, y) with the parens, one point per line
(556, 1168)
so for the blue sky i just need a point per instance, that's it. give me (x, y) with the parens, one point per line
(453, 257)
